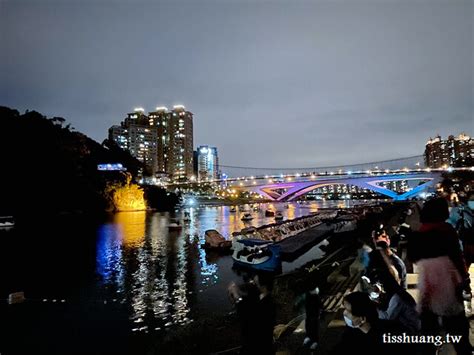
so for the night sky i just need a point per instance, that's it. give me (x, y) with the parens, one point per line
(271, 83)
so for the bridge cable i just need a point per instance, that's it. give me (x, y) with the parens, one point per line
(321, 167)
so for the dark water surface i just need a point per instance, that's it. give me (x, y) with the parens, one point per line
(103, 282)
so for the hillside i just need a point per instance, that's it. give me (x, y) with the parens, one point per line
(50, 168)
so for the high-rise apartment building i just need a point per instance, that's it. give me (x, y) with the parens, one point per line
(138, 137)
(163, 140)
(454, 151)
(180, 147)
(208, 163)
(160, 119)
(119, 135)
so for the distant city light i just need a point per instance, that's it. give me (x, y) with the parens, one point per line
(191, 201)
(111, 167)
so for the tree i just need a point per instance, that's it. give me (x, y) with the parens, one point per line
(58, 120)
(125, 197)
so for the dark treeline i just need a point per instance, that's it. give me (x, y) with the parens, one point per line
(48, 167)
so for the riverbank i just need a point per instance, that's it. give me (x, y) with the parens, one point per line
(222, 334)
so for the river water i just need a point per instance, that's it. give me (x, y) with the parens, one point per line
(158, 278)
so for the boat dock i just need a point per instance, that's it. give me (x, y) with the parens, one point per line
(293, 247)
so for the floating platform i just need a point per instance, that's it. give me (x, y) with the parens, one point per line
(293, 247)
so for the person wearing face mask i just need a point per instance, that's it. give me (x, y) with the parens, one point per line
(395, 303)
(365, 331)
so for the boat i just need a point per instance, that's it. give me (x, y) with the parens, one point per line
(278, 216)
(215, 240)
(256, 254)
(269, 213)
(247, 217)
(174, 225)
(6, 222)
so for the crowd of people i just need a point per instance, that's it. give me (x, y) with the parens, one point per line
(441, 252)
(382, 317)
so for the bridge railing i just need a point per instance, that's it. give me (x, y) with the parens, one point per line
(332, 176)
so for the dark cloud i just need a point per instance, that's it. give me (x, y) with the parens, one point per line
(271, 83)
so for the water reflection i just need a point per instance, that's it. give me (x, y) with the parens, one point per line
(131, 228)
(160, 274)
(202, 220)
(139, 258)
(109, 255)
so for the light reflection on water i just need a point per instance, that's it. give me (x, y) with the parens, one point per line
(161, 275)
(152, 264)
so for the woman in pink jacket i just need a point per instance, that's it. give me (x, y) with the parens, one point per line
(442, 274)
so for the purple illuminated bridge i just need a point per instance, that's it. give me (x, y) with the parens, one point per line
(291, 188)
(286, 184)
